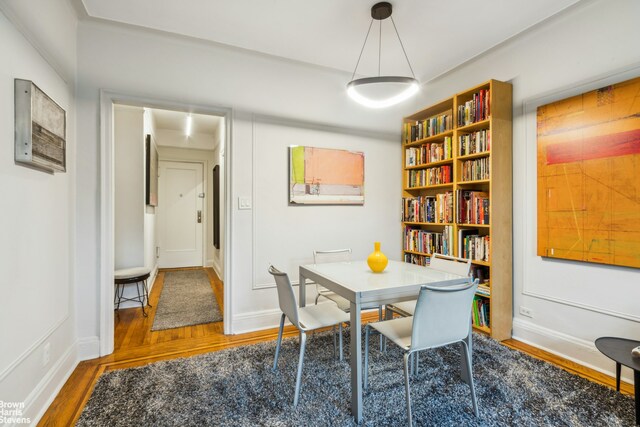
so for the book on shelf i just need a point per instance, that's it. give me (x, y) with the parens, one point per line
(432, 209)
(474, 142)
(473, 246)
(484, 290)
(429, 176)
(429, 152)
(476, 109)
(482, 273)
(481, 312)
(476, 169)
(428, 242)
(473, 207)
(424, 128)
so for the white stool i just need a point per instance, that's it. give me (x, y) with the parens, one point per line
(137, 275)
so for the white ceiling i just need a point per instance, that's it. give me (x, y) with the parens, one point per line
(171, 129)
(437, 35)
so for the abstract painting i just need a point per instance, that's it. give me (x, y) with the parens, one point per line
(325, 176)
(589, 176)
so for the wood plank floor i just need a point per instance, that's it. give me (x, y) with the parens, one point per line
(136, 344)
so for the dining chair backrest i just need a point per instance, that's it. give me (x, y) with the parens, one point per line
(335, 255)
(442, 315)
(451, 264)
(286, 297)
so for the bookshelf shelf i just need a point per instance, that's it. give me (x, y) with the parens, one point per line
(480, 120)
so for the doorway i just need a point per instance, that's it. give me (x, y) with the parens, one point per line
(198, 257)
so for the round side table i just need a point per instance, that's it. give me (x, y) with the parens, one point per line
(139, 276)
(619, 350)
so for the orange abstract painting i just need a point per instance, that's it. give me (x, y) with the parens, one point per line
(589, 176)
(325, 176)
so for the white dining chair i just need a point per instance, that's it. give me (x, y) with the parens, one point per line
(304, 319)
(450, 264)
(337, 255)
(441, 318)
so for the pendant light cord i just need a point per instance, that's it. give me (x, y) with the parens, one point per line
(362, 50)
(379, 48)
(401, 45)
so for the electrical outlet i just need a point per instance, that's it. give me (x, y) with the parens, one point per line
(46, 354)
(244, 203)
(526, 311)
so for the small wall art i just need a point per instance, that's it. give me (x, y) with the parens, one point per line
(325, 176)
(588, 183)
(40, 129)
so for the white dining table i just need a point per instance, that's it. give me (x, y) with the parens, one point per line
(357, 283)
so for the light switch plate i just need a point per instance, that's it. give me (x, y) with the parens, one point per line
(244, 202)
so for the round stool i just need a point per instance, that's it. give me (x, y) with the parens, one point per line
(137, 275)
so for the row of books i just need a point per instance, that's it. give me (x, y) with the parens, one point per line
(417, 259)
(476, 109)
(481, 273)
(472, 207)
(431, 152)
(428, 242)
(475, 142)
(430, 176)
(415, 131)
(473, 246)
(437, 209)
(476, 169)
(481, 314)
(484, 291)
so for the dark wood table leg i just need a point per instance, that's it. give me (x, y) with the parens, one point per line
(636, 386)
(618, 366)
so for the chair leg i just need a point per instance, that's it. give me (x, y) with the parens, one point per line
(335, 344)
(303, 343)
(381, 336)
(317, 297)
(340, 339)
(406, 386)
(275, 360)
(366, 357)
(467, 356)
(417, 358)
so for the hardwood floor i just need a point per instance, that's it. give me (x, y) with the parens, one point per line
(136, 344)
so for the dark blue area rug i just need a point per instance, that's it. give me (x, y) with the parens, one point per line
(236, 387)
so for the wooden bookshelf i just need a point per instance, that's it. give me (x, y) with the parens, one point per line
(495, 186)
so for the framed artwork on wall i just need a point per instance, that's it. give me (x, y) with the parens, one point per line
(588, 185)
(40, 129)
(325, 176)
(151, 176)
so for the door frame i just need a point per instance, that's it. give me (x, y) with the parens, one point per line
(107, 215)
(205, 213)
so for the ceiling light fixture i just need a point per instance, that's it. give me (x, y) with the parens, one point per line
(382, 91)
(189, 122)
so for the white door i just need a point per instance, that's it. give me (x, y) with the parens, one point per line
(180, 215)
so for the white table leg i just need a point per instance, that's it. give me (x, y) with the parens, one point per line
(356, 362)
(303, 290)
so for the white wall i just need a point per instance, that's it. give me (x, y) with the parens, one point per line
(134, 232)
(573, 303)
(37, 215)
(225, 77)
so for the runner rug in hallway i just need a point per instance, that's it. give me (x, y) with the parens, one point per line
(186, 299)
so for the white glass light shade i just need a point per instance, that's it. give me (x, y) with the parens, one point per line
(383, 91)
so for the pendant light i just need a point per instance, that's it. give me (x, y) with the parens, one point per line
(382, 91)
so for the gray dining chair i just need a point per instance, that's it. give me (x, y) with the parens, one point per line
(441, 318)
(304, 319)
(450, 264)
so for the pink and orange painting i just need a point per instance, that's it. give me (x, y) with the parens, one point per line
(325, 176)
(589, 176)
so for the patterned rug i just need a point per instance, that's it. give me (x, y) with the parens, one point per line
(186, 299)
(236, 387)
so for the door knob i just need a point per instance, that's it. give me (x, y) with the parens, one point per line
(199, 217)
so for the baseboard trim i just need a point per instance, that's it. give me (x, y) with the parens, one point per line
(38, 401)
(256, 320)
(88, 348)
(577, 350)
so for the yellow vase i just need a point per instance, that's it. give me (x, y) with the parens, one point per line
(377, 260)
